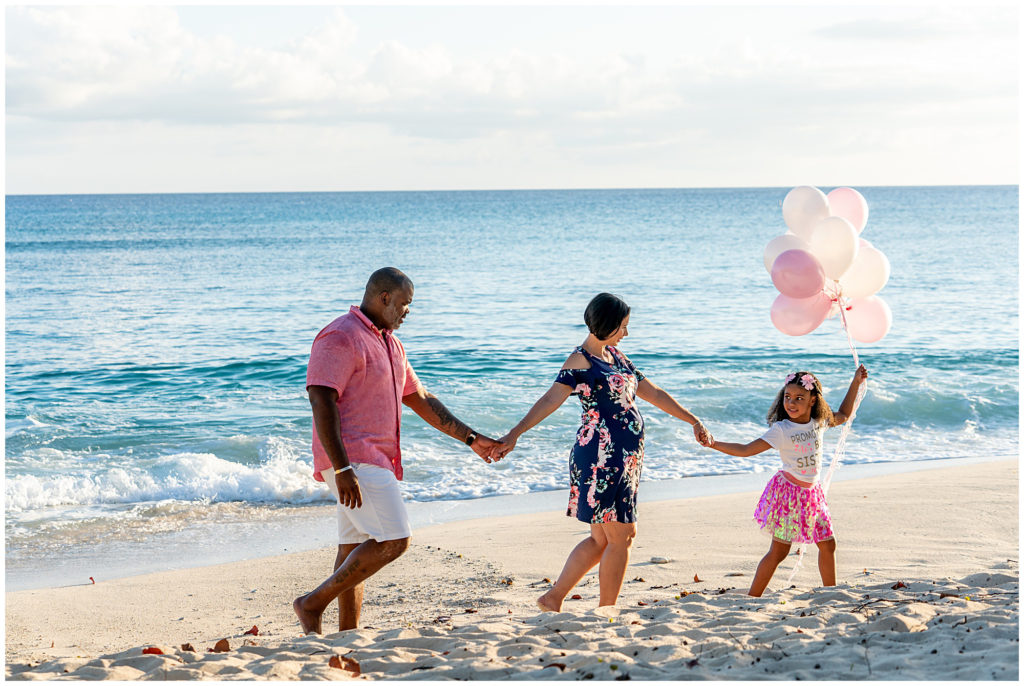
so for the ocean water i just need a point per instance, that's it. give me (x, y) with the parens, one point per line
(156, 344)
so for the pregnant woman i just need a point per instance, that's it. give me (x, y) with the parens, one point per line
(606, 459)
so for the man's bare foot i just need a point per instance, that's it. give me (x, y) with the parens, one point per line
(547, 605)
(308, 620)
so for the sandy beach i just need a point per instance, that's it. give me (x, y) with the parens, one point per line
(928, 589)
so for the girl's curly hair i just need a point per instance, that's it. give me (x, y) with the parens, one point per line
(821, 413)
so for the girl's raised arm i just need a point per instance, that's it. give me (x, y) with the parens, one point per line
(846, 409)
(756, 446)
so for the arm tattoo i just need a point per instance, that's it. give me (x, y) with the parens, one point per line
(446, 421)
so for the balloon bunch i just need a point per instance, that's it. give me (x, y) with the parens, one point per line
(822, 267)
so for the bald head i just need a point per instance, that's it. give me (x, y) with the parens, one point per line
(387, 298)
(386, 280)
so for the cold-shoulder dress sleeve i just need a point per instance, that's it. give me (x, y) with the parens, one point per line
(569, 377)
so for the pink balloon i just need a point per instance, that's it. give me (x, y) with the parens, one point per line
(798, 274)
(850, 205)
(797, 316)
(868, 319)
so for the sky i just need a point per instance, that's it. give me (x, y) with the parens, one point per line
(160, 98)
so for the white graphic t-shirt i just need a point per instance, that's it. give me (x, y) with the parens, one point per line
(799, 445)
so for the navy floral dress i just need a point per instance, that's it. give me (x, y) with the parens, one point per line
(605, 462)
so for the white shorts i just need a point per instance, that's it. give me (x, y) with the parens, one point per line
(382, 516)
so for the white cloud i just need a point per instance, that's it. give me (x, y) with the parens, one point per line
(138, 68)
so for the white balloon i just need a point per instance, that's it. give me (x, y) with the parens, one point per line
(867, 275)
(781, 244)
(849, 204)
(834, 243)
(803, 208)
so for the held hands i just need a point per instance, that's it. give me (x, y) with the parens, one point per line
(484, 447)
(349, 494)
(504, 446)
(703, 436)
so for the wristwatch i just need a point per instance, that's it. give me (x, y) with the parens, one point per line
(470, 438)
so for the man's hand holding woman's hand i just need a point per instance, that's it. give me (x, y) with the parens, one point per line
(503, 446)
(484, 447)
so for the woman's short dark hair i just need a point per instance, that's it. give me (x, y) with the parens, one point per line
(605, 314)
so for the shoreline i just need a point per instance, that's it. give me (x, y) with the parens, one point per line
(469, 586)
(308, 528)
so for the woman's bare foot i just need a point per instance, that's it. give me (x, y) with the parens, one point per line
(547, 604)
(308, 620)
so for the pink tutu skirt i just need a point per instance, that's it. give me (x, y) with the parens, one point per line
(793, 514)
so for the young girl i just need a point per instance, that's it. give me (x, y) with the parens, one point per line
(792, 508)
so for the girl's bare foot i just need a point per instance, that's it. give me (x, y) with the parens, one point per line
(547, 605)
(308, 620)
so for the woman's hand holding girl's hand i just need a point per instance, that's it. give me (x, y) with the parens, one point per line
(703, 436)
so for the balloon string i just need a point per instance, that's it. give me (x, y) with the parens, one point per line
(844, 432)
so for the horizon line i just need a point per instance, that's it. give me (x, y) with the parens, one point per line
(518, 190)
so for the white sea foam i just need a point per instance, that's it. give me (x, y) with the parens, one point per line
(281, 478)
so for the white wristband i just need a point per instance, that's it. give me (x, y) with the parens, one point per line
(343, 469)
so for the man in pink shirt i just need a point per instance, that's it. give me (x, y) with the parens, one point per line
(357, 379)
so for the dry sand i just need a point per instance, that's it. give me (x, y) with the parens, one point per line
(460, 603)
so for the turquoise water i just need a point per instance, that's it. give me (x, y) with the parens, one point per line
(156, 344)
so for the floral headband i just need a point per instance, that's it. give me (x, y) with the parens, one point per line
(807, 381)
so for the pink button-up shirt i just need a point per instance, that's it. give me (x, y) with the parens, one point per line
(369, 370)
